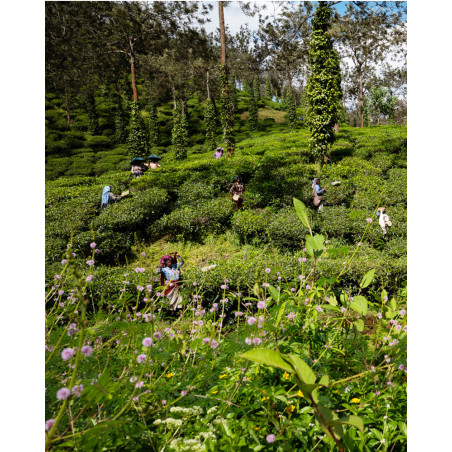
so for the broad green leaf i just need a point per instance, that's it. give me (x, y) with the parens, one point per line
(308, 389)
(329, 416)
(344, 298)
(393, 304)
(383, 294)
(280, 313)
(274, 293)
(325, 380)
(256, 289)
(319, 241)
(367, 278)
(268, 357)
(226, 427)
(300, 209)
(359, 304)
(402, 428)
(303, 371)
(282, 398)
(330, 308)
(356, 421)
(359, 324)
(332, 300)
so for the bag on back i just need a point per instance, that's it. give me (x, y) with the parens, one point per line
(316, 198)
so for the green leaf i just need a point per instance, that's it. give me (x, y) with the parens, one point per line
(303, 371)
(332, 300)
(359, 304)
(319, 241)
(356, 421)
(367, 278)
(402, 428)
(325, 380)
(393, 304)
(274, 293)
(359, 324)
(308, 389)
(268, 357)
(300, 209)
(280, 313)
(329, 416)
(383, 294)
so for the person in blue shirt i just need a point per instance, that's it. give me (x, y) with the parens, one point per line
(169, 277)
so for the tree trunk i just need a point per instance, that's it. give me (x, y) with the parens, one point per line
(132, 70)
(336, 127)
(174, 97)
(68, 113)
(361, 98)
(222, 34)
(208, 90)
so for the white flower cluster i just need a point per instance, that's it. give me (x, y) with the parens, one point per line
(212, 410)
(219, 420)
(194, 411)
(187, 445)
(170, 422)
(192, 444)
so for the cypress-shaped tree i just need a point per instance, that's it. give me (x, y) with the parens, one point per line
(93, 121)
(210, 120)
(291, 111)
(227, 112)
(179, 135)
(137, 139)
(253, 113)
(153, 126)
(120, 124)
(324, 84)
(256, 89)
(268, 89)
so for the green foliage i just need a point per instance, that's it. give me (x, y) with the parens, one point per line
(268, 90)
(291, 111)
(179, 137)
(210, 120)
(136, 140)
(253, 118)
(153, 126)
(227, 112)
(120, 125)
(324, 84)
(93, 120)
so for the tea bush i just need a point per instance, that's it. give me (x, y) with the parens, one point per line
(138, 212)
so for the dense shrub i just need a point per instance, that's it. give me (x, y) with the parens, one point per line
(98, 142)
(191, 221)
(136, 212)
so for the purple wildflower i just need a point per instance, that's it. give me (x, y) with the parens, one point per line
(251, 320)
(318, 308)
(267, 270)
(63, 394)
(270, 438)
(256, 341)
(147, 342)
(261, 305)
(141, 358)
(90, 262)
(87, 350)
(213, 343)
(67, 353)
(49, 424)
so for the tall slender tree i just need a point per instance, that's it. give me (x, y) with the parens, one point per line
(324, 84)
(225, 89)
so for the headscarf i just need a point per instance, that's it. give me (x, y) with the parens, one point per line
(105, 194)
(236, 178)
(163, 259)
(314, 182)
(220, 149)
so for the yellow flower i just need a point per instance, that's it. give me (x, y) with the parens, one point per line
(286, 376)
(256, 428)
(169, 375)
(223, 376)
(214, 392)
(355, 400)
(263, 391)
(300, 394)
(290, 408)
(265, 398)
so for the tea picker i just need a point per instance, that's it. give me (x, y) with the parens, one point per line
(383, 219)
